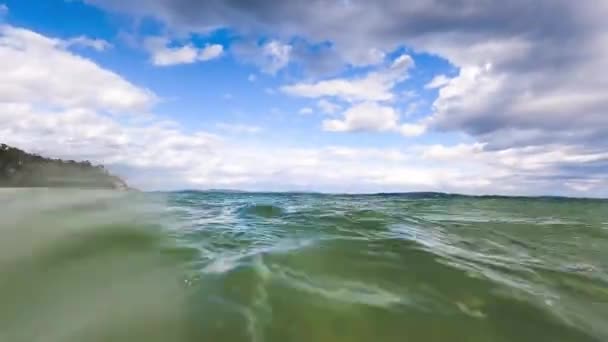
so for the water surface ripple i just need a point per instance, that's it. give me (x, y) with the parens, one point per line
(203, 266)
(426, 267)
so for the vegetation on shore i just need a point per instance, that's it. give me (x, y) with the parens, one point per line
(21, 169)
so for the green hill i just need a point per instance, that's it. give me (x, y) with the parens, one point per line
(21, 169)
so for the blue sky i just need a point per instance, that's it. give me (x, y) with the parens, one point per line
(336, 96)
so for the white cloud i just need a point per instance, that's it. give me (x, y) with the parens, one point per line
(367, 116)
(160, 155)
(375, 86)
(72, 120)
(63, 105)
(455, 96)
(39, 70)
(351, 90)
(210, 52)
(372, 117)
(365, 57)
(456, 152)
(165, 55)
(545, 57)
(506, 96)
(328, 107)
(412, 130)
(93, 43)
(306, 111)
(366, 93)
(277, 55)
(437, 82)
(271, 57)
(583, 186)
(86, 134)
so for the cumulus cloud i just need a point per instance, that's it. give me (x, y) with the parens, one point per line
(367, 116)
(64, 105)
(93, 43)
(163, 54)
(437, 82)
(210, 52)
(55, 102)
(528, 89)
(549, 169)
(366, 95)
(277, 54)
(39, 70)
(270, 57)
(375, 86)
(545, 57)
(412, 129)
(158, 154)
(372, 117)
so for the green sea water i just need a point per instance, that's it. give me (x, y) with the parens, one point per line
(199, 266)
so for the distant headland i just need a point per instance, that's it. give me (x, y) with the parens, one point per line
(21, 169)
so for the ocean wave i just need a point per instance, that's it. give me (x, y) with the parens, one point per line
(102, 265)
(86, 265)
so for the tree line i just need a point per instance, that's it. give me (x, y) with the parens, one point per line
(22, 169)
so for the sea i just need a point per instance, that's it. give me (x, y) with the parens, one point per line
(92, 265)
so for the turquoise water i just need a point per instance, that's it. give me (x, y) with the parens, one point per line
(193, 266)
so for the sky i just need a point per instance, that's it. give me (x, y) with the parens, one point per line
(346, 96)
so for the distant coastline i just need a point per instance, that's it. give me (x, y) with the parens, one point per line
(409, 195)
(20, 169)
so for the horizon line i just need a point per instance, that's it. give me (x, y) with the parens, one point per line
(446, 194)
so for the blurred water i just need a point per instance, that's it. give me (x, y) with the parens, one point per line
(194, 266)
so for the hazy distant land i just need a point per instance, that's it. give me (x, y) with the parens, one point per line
(22, 169)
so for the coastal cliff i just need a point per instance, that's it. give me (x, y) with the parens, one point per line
(21, 169)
